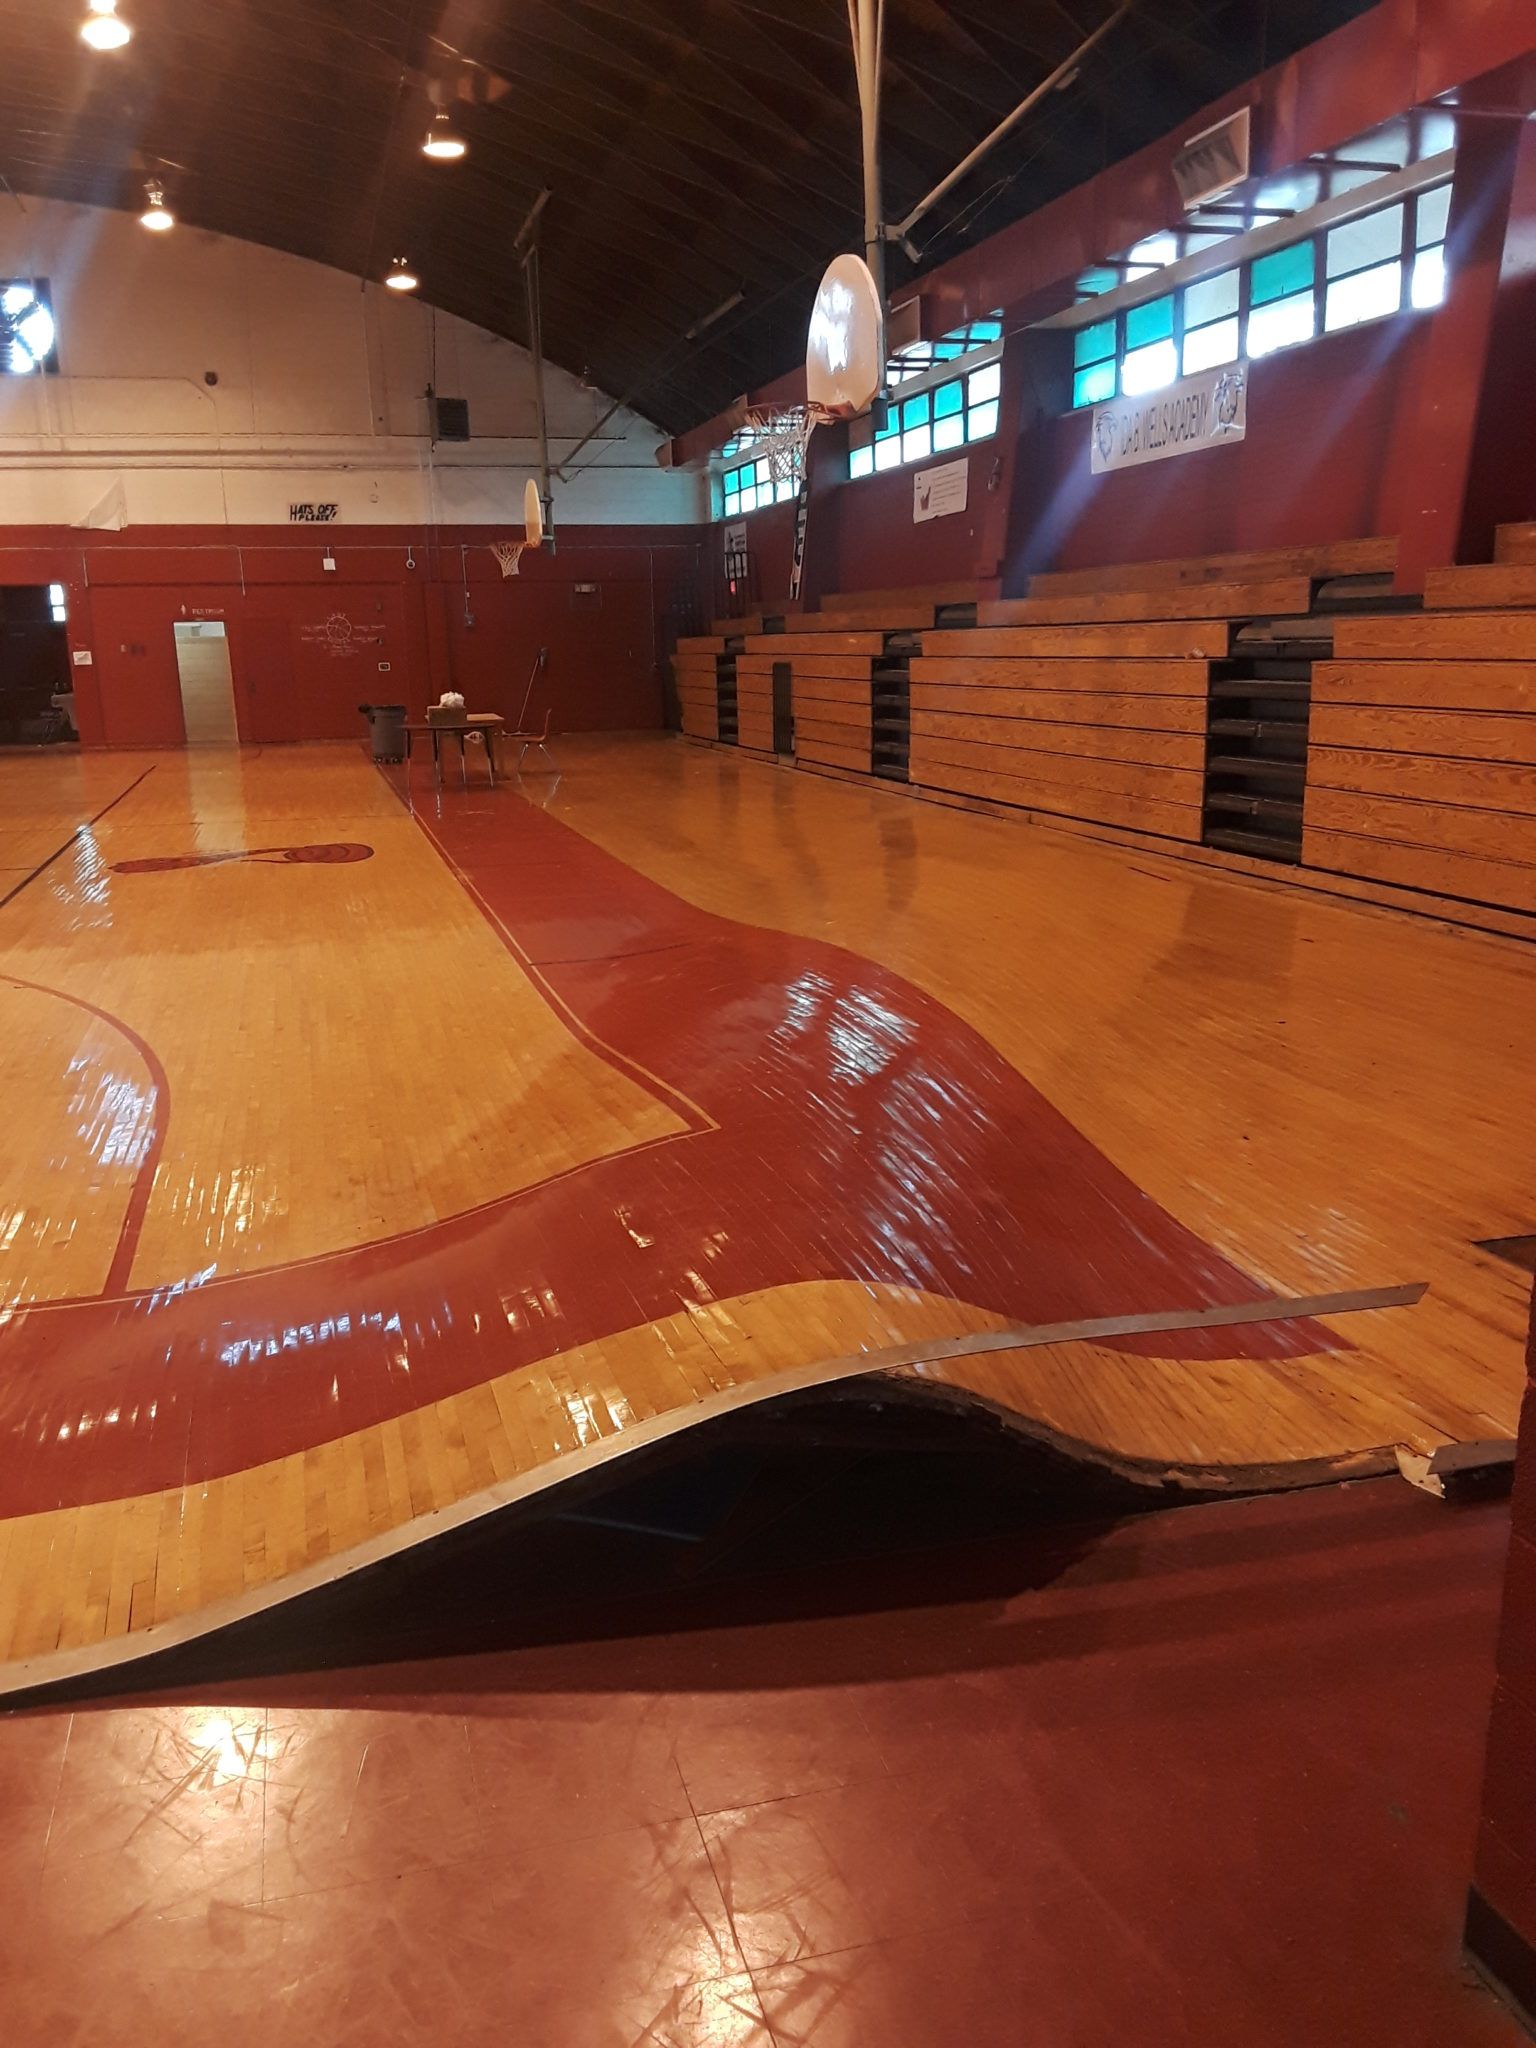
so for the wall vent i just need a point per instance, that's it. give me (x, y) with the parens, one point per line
(450, 419)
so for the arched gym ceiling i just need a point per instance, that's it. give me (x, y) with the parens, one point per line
(692, 147)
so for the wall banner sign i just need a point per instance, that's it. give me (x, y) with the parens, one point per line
(937, 492)
(1199, 412)
(313, 515)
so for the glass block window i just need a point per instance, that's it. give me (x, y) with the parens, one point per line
(1430, 215)
(1364, 262)
(919, 357)
(1211, 322)
(917, 427)
(1096, 368)
(1283, 273)
(1151, 357)
(1282, 291)
(1387, 261)
(947, 416)
(28, 336)
(750, 486)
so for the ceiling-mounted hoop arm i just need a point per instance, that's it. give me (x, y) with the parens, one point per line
(1060, 76)
(527, 248)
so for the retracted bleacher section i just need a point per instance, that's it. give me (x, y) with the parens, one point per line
(1423, 762)
(695, 670)
(1280, 706)
(1104, 722)
(1128, 697)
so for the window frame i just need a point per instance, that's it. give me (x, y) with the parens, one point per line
(1412, 251)
(958, 371)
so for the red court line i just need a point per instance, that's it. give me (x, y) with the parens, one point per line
(132, 1227)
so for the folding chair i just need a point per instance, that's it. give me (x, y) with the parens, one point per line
(539, 741)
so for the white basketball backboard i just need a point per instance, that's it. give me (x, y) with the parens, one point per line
(845, 345)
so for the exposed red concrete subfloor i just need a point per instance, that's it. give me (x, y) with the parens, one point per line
(1211, 1779)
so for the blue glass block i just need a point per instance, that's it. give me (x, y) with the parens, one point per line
(1094, 385)
(1286, 271)
(1149, 323)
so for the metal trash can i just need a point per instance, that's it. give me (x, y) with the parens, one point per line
(387, 722)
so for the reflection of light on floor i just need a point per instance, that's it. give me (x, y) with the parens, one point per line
(115, 1116)
(305, 1336)
(532, 1305)
(219, 800)
(863, 1034)
(224, 1751)
(86, 882)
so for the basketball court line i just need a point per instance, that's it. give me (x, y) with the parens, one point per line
(84, 826)
(137, 1208)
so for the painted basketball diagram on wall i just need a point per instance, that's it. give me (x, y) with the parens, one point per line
(341, 636)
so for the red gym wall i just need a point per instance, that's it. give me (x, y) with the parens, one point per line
(398, 620)
(1339, 429)
(1318, 464)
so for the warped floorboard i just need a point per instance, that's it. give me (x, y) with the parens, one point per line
(370, 1167)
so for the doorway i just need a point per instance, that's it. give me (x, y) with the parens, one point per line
(36, 691)
(207, 683)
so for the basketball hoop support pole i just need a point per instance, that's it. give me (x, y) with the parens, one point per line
(866, 25)
(528, 244)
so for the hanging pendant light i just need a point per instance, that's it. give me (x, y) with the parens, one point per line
(102, 27)
(401, 277)
(157, 216)
(444, 143)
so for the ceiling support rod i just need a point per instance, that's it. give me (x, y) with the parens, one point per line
(1062, 75)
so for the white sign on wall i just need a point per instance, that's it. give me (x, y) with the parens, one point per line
(1199, 412)
(937, 492)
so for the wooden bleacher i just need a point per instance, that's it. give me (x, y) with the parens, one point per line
(1100, 721)
(1515, 544)
(1422, 761)
(1482, 587)
(1270, 597)
(1332, 558)
(1102, 698)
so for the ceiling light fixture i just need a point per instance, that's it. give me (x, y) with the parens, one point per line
(444, 143)
(157, 216)
(401, 277)
(102, 28)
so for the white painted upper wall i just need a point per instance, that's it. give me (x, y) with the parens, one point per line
(320, 395)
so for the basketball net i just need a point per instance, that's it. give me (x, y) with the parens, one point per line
(779, 435)
(509, 553)
(782, 437)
